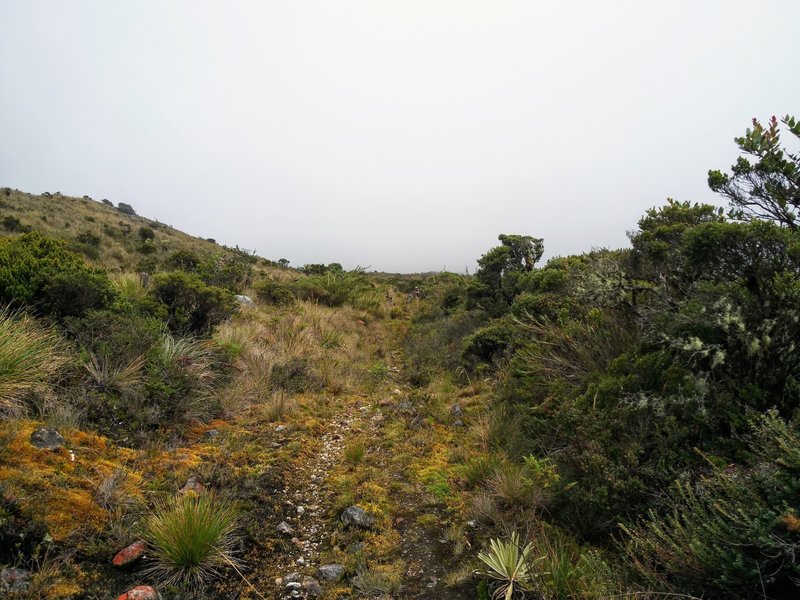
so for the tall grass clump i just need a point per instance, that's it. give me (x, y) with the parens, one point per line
(192, 539)
(29, 356)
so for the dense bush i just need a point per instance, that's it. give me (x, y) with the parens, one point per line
(273, 292)
(191, 305)
(44, 274)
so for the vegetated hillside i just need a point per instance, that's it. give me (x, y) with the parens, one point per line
(105, 234)
(615, 424)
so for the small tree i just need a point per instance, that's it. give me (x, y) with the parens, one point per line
(769, 187)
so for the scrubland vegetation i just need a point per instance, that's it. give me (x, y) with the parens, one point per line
(616, 424)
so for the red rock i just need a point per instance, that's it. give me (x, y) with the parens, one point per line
(129, 554)
(360, 322)
(140, 592)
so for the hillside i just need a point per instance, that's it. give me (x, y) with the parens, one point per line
(105, 235)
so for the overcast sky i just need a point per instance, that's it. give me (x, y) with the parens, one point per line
(402, 135)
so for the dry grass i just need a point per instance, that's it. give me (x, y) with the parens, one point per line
(30, 356)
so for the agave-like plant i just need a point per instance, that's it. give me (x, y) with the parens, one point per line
(509, 566)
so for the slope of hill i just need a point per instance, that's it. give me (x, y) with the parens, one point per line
(102, 232)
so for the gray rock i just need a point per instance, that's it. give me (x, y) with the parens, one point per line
(284, 528)
(456, 410)
(312, 587)
(212, 433)
(458, 423)
(47, 439)
(193, 484)
(293, 585)
(15, 580)
(244, 300)
(292, 578)
(330, 572)
(354, 516)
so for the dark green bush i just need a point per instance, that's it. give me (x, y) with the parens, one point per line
(89, 239)
(273, 292)
(125, 209)
(44, 274)
(191, 305)
(146, 234)
(183, 260)
(13, 224)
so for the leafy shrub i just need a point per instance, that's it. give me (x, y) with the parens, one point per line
(191, 305)
(125, 209)
(273, 292)
(89, 239)
(146, 234)
(231, 270)
(734, 533)
(183, 260)
(13, 224)
(42, 273)
(489, 344)
(191, 539)
(147, 247)
(29, 356)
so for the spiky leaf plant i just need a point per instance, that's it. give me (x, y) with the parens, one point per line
(509, 566)
(191, 539)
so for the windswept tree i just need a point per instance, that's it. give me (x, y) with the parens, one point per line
(765, 183)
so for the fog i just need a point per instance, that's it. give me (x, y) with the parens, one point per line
(400, 136)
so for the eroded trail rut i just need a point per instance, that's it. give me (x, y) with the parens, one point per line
(308, 526)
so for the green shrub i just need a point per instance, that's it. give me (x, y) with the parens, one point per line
(42, 273)
(489, 344)
(146, 234)
(89, 239)
(183, 260)
(191, 539)
(273, 292)
(29, 356)
(191, 305)
(13, 224)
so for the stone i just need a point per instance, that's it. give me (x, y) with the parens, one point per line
(47, 439)
(355, 516)
(330, 572)
(293, 585)
(194, 485)
(312, 587)
(14, 580)
(244, 300)
(284, 528)
(456, 410)
(280, 428)
(140, 592)
(292, 577)
(301, 510)
(458, 423)
(212, 433)
(129, 554)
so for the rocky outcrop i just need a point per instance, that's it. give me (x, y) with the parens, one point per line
(355, 516)
(47, 439)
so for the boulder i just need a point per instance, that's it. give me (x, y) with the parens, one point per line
(140, 592)
(47, 439)
(244, 300)
(129, 554)
(355, 516)
(330, 572)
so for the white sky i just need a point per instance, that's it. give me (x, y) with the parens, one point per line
(401, 135)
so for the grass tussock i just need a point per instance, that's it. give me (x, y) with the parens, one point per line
(30, 356)
(192, 539)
